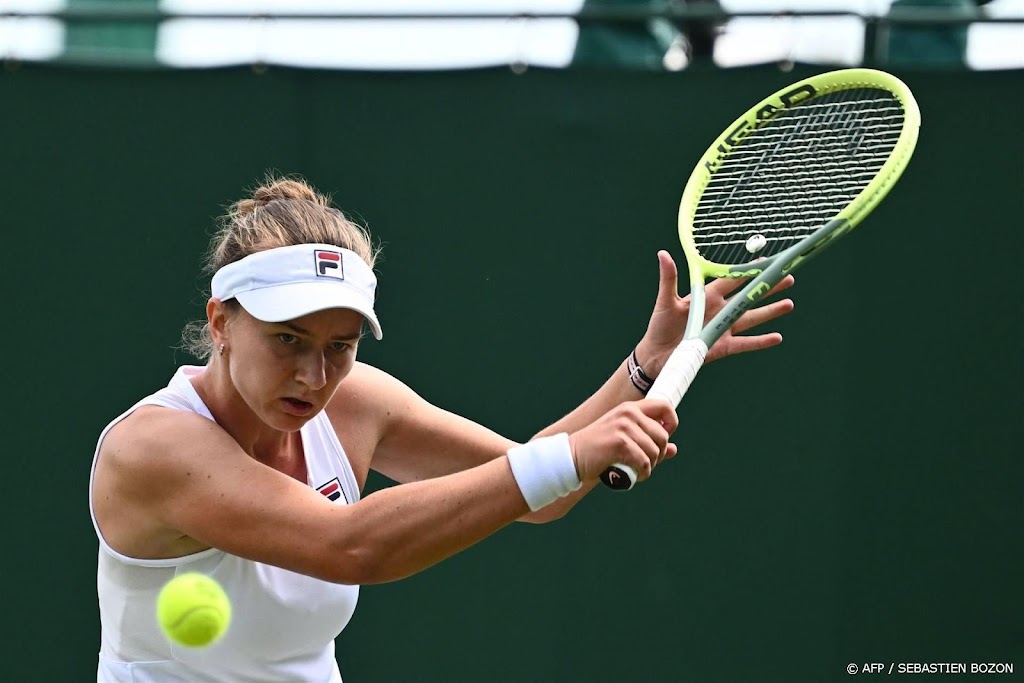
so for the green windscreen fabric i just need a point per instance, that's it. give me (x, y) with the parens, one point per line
(643, 44)
(111, 43)
(938, 46)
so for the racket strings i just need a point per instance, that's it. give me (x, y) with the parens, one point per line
(788, 178)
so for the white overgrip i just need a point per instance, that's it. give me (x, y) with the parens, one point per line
(679, 372)
(671, 384)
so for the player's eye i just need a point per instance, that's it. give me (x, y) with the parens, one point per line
(288, 338)
(339, 346)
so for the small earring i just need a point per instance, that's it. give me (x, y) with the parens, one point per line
(221, 349)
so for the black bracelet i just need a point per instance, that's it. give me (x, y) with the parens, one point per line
(637, 375)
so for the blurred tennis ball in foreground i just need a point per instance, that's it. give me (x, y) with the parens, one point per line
(193, 610)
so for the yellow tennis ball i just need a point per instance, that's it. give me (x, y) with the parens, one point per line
(193, 610)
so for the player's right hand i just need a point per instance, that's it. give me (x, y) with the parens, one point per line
(634, 434)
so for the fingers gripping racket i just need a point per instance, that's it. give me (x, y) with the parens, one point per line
(786, 179)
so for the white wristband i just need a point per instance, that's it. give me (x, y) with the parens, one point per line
(544, 470)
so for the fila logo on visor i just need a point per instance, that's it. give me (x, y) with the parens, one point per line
(329, 264)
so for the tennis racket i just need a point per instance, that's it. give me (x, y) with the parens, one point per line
(784, 181)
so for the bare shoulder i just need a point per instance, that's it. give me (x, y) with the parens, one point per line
(412, 439)
(371, 398)
(138, 441)
(169, 483)
(364, 410)
(374, 387)
(141, 459)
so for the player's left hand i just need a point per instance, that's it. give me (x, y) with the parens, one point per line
(665, 329)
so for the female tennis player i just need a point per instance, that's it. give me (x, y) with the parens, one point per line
(249, 469)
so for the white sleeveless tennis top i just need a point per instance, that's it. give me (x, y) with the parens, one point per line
(283, 623)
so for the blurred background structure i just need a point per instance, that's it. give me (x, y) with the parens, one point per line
(399, 34)
(522, 166)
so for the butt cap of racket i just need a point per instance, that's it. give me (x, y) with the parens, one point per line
(619, 477)
(670, 386)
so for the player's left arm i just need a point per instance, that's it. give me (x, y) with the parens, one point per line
(412, 439)
(665, 331)
(417, 440)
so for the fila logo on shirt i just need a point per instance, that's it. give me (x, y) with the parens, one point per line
(329, 264)
(332, 490)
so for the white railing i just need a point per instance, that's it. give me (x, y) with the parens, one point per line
(398, 34)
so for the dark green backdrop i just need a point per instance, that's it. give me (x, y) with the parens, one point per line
(878, 520)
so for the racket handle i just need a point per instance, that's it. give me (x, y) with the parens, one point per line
(679, 372)
(670, 386)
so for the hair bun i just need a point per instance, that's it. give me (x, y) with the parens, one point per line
(273, 190)
(284, 189)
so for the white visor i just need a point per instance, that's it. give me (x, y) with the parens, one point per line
(289, 282)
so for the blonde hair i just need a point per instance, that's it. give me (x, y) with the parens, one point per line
(282, 212)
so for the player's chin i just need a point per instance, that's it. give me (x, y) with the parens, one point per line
(286, 420)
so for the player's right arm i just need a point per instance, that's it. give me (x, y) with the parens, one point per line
(168, 480)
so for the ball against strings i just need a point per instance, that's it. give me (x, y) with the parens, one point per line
(193, 610)
(756, 243)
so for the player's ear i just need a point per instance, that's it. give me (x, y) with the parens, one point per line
(217, 315)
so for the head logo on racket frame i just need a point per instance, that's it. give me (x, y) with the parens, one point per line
(761, 117)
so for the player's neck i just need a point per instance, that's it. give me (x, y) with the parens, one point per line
(233, 415)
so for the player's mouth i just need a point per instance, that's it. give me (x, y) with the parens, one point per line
(297, 406)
